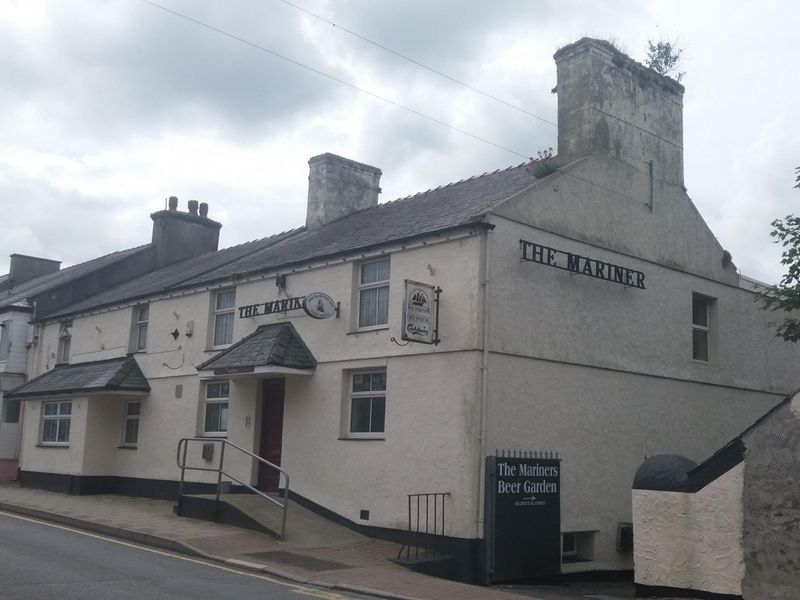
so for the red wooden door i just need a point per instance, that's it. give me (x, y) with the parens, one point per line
(271, 433)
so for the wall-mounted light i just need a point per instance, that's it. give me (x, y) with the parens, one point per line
(280, 280)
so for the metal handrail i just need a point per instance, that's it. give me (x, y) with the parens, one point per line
(180, 459)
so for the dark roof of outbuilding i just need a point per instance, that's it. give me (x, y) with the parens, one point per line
(448, 207)
(28, 289)
(273, 345)
(118, 374)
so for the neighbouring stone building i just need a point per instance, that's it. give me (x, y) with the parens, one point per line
(588, 311)
(729, 526)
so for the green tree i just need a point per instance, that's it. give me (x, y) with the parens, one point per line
(785, 296)
(664, 58)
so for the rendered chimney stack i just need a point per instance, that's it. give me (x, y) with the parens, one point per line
(610, 104)
(338, 187)
(178, 235)
(24, 268)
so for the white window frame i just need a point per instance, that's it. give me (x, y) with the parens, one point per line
(5, 340)
(224, 386)
(361, 287)
(130, 418)
(64, 341)
(62, 417)
(705, 330)
(140, 326)
(228, 311)
(372, 394)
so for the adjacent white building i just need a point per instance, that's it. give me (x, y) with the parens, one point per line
(586, 310)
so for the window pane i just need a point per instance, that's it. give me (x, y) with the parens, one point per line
(361, 382)
(49, 430)
(212, 417)
(224, 389)
(144, 312)
(141, 337)
(223, 416)
(63, 430)
(11, 412)
(700, 311)
(51, 409)
(375, 271)
(223, 329)
(378, 414)
(212, 390)
(134, 408)
(368, 308)
(64, 353)
(65, 408)
(378, 381)
(131, 431)
(360, 415)
(226, 299)
(700, 344)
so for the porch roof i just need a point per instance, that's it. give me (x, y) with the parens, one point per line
(272, 348)
(114, 375)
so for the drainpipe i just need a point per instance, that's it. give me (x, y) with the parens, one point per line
(484, 382)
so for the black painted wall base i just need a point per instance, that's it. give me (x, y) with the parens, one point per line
(653, 591)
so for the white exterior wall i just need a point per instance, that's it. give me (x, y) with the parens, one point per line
(12, 374)
(691, 541)
(432, 395)
(54, 459)
(604, 374)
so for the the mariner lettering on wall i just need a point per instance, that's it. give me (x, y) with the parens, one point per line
(316, 305)
(581, 265)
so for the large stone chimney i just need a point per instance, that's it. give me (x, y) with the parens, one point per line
(178, 235)
(610, 104)
(338, 187)
(24, 268)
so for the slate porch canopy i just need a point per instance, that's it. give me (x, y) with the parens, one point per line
(114, 376)
(276, 348)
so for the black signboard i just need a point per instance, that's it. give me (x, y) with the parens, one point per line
(523, 516)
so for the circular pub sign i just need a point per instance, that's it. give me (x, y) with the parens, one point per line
(319, 305)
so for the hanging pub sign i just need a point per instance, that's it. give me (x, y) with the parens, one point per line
(317, 305)
(581, 265)
(421, 312)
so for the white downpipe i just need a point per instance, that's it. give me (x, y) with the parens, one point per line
(484, 386)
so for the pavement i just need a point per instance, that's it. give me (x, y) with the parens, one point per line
(316, 552)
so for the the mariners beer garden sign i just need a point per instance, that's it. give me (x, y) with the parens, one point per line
(522, 515)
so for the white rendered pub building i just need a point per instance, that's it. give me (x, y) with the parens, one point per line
(585, 309)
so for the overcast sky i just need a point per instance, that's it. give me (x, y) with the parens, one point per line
(108, 107)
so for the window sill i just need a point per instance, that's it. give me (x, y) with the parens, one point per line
(363, 438)
(48, 445)
(128, 447)
(565, 560)
(214, 436)
(369, 330)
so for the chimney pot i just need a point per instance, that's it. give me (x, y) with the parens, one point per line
(204, 209)
(193, 207)
(173, 203)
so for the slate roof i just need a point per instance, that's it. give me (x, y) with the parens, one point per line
(455, 205)
(276, 344)
(172, 276)
(117, 374)
(19, 293)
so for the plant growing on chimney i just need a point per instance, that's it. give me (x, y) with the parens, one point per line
(664, 58)
(544, 165)
(785, 296)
